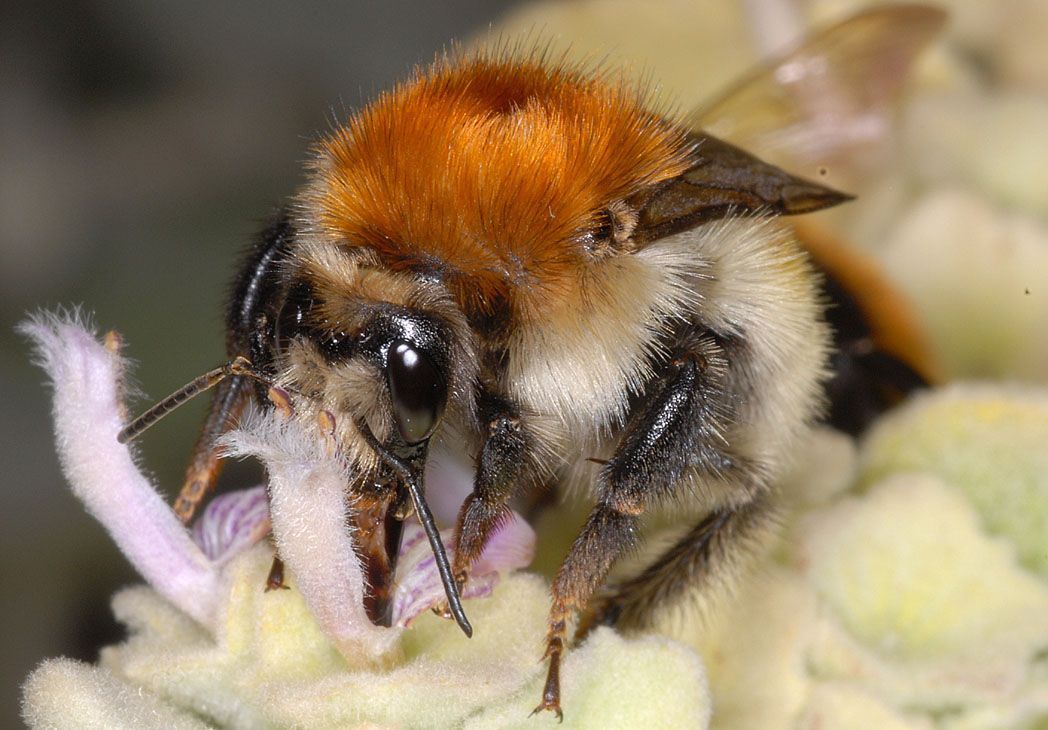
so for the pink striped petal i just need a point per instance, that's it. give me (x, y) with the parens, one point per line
(232, 523)
(418, 582)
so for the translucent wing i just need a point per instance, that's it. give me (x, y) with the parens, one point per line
(825, 109)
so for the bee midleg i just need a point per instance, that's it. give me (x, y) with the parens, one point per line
(505, 466)
(698, 559)
(230, 397)
(679, 425)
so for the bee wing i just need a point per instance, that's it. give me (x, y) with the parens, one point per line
(725, 180)
(823, 108)
(826, 107)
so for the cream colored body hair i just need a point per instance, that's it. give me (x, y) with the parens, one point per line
(764, 290)
(744, 278)
(580, 366)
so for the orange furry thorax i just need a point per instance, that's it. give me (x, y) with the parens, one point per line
(488, 173)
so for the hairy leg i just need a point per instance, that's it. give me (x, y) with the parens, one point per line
(707, 553)
(678, 428)
(506, 466)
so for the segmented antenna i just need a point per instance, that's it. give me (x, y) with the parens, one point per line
(237, 367)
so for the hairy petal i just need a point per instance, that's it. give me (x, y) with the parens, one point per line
(88, 415)
(308, 510)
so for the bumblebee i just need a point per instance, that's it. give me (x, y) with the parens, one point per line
(518, 259)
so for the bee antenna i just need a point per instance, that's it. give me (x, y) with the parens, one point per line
(408, 475)
(237, 367)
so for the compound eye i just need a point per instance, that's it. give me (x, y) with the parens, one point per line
(418, 390)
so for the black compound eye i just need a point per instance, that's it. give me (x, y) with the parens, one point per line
(418, 389)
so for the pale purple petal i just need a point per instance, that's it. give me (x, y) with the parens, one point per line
(232, 523)
(418, 583)
(511, 547)
(308, 511)
(102, 473)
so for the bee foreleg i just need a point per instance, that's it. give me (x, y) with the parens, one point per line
(504, 465)
(229, 400)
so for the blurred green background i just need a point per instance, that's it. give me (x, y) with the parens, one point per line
(141, 144)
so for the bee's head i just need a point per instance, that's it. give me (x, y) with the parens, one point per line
(389, 356)
(381, 349)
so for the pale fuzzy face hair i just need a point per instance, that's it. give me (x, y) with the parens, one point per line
(350, 286)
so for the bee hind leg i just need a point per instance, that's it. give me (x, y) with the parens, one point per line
(707, 555)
